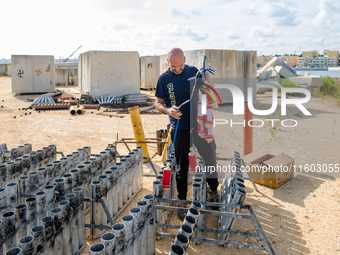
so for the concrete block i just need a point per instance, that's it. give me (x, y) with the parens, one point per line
(149, 71)
(32, 74)
(9, 69)
(3, 69)
(267, 85)
(284, 72)
(109, 72)
(232, 67)
(279, 62)
(163, 63)
(75, 76)
(312, 81)
(61, 76)
(69, 65)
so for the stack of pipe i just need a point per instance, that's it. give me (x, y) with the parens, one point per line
(162, 134)
(106, 99)
(59, 106)
(135, 98)
(43, 99)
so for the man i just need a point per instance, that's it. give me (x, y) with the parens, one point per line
(173, 88)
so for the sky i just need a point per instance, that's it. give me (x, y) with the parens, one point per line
(153, 27)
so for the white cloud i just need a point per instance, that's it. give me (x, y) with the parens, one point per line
(250, 9)
(280, 14)
(261, 32)
(327, 9)
(176, 13)
(120, 26)
(150, 26)
(232, 35)
(177, 30)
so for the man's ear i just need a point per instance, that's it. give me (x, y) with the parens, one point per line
(184, 59)
(168, 61)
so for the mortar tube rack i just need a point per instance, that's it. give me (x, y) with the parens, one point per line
(231, 212)
(133, 169)
(42, 187)
(170, 193)
(259, 231)
(14, 177)
(236, 160)
(74, 215)
(134, 235)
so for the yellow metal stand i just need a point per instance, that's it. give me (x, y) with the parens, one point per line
(139, 131)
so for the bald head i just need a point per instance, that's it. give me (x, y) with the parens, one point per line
(175, 53)
(176, 60)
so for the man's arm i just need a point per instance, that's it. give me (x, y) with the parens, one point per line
(173, 111)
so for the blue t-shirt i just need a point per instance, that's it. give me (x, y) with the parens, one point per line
(175, 89)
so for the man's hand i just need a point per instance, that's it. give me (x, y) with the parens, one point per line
(174, 112)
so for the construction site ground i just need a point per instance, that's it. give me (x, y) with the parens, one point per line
(300, 217)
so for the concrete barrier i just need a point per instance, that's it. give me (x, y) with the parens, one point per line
(32, 74)
(149, 71)
(61, 75)
(109, 72)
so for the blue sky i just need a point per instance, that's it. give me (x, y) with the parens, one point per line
(153, 27)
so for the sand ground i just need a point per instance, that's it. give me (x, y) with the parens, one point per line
(300, 217)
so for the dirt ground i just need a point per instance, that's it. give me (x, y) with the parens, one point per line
(300, 217)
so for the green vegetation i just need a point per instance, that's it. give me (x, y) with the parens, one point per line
(330, 91)
(330, 87)
(2, 75)
(287, 84)
(273, 124)
(71, 79)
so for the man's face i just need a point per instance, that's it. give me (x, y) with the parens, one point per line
(176, 64)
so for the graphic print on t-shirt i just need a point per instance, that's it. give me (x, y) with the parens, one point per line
(170, 87)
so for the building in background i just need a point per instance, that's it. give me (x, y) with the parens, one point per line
(291, 60)
(332, 57)
(263, 60)
(314, 59)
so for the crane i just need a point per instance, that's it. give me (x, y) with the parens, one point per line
(67, 59)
